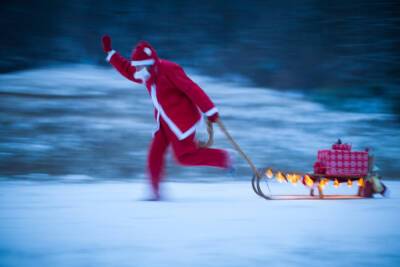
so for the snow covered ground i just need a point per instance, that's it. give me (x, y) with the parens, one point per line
(199, 224)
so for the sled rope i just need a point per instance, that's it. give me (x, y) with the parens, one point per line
(256, 173)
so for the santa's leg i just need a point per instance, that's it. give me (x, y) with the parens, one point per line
(205, 157)
(187, 152)
(155, 160)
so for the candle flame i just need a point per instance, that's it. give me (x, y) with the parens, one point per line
(280, 177)
(269, 173)
(293, 178)
(309, 182)
(323, 182)
(336, 183)
(361, 182)
(297, 177)
(349, 183)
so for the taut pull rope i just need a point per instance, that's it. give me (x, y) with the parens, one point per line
(237, 148)
(257, 176)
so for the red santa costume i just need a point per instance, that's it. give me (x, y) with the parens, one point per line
(178, 103)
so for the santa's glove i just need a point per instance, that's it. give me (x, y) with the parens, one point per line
(106, 40)
(213, 118)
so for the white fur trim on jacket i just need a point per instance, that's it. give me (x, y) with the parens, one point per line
(142, 62)
(109, 55)
(211, 112)
(181, 135)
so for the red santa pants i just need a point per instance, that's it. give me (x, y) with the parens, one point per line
(187, 152)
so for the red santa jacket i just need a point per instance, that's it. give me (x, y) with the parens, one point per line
(176, 98)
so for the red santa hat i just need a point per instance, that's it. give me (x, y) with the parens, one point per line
(143, 55)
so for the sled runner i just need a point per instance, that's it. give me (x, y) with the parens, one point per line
(304, 197)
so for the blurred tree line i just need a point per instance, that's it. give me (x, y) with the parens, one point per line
(327, 46)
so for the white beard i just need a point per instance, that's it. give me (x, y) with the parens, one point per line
(143, 75)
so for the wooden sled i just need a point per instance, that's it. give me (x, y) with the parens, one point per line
(258, 176)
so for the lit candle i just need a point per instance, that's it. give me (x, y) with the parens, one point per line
(349, 183)
(336, 183)
(280, 177)
(309, 182)
(269, 173)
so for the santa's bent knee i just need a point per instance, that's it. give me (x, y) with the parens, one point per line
(185, 159)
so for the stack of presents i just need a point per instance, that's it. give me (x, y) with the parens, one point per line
(342, 164)
(342, 161)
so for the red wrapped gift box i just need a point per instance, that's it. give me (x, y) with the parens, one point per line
(344, 162)
(341, 147)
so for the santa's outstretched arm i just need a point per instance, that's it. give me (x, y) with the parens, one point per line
(194, 92)
(118, 61)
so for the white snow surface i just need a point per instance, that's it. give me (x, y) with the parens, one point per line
(198, 224)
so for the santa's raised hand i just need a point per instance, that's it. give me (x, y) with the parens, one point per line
(106, 41)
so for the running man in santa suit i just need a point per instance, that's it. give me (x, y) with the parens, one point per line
(178, 103)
